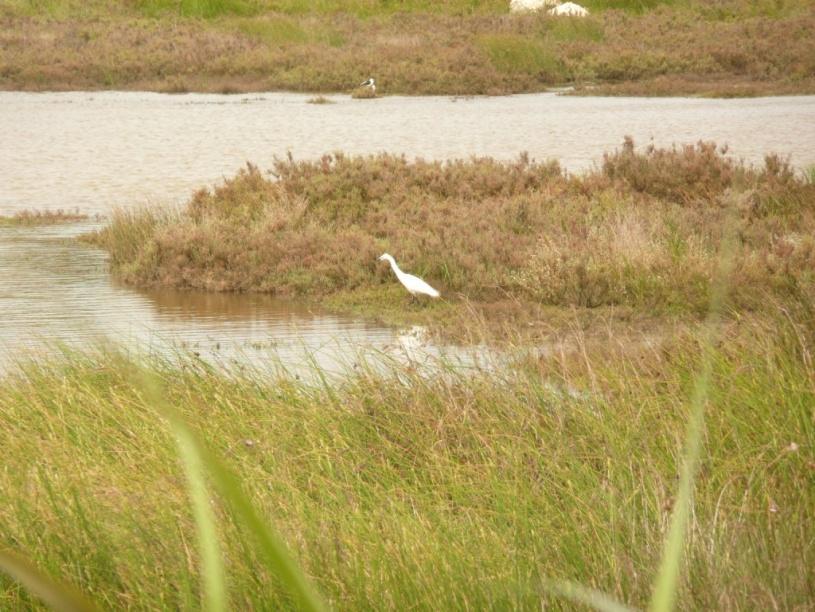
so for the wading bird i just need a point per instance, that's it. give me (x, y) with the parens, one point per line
(414, 284)
(370, 83)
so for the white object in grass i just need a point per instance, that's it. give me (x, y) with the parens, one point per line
(518, 6)
(569, 9)
(369, 83)
(414, 284)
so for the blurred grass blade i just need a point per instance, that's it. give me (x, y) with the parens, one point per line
(278, 560)
(584, 595)
(663, 597)
(60, 597)
(212, 566)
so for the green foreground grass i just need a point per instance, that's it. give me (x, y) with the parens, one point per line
(459, 47)
(400, 490)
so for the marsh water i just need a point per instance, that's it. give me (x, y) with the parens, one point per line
(92, 152)
(56, 293)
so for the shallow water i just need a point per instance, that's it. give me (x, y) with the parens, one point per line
(56, 292)
(95, 151)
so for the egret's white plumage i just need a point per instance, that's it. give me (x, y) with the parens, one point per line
(570, 9)
(414, 284)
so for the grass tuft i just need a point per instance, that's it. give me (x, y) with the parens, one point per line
(512, 54)
(320, 100)
(364, 93)
(207, 9)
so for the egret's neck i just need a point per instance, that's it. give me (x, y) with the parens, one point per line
(394, 267)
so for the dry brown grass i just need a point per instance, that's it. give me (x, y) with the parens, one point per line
(641, 234)
(664, 51)
(696, 86)
(363, 93)
(320, 100)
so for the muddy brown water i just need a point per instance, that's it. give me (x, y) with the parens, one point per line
(94, 151)
(56, 292)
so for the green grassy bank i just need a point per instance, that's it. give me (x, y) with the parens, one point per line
(447, 492)
(461, 47)
(514, 242)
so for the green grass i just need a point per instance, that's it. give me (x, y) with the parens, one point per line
(207, 9)
(513, 54)
(391, 489)
(273, 31)
(631, 6)
(373, 8)
(574, 29)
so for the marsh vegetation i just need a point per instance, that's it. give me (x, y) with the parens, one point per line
(456, 491)
(461, 489)
(728, 48)
(511, 241)
(42, 217)
(667, 434)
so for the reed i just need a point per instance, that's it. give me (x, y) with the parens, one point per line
(458, 490)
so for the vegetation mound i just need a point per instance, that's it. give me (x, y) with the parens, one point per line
(643, 230)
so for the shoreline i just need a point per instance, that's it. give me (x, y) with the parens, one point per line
(711, 90)
(692, 51)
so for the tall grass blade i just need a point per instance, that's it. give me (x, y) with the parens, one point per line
(586, 596)
(665, 587)
(272, 548)
(58, 596)
(212, 565)
(278, 560)
(666, 584)
(215, 596)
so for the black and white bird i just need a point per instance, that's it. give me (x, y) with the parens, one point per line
(369, 83)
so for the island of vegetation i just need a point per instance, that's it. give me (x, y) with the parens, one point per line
(522, 244)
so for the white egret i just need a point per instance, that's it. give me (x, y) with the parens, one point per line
(414, 284)
(369, 83)
(570, 9)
